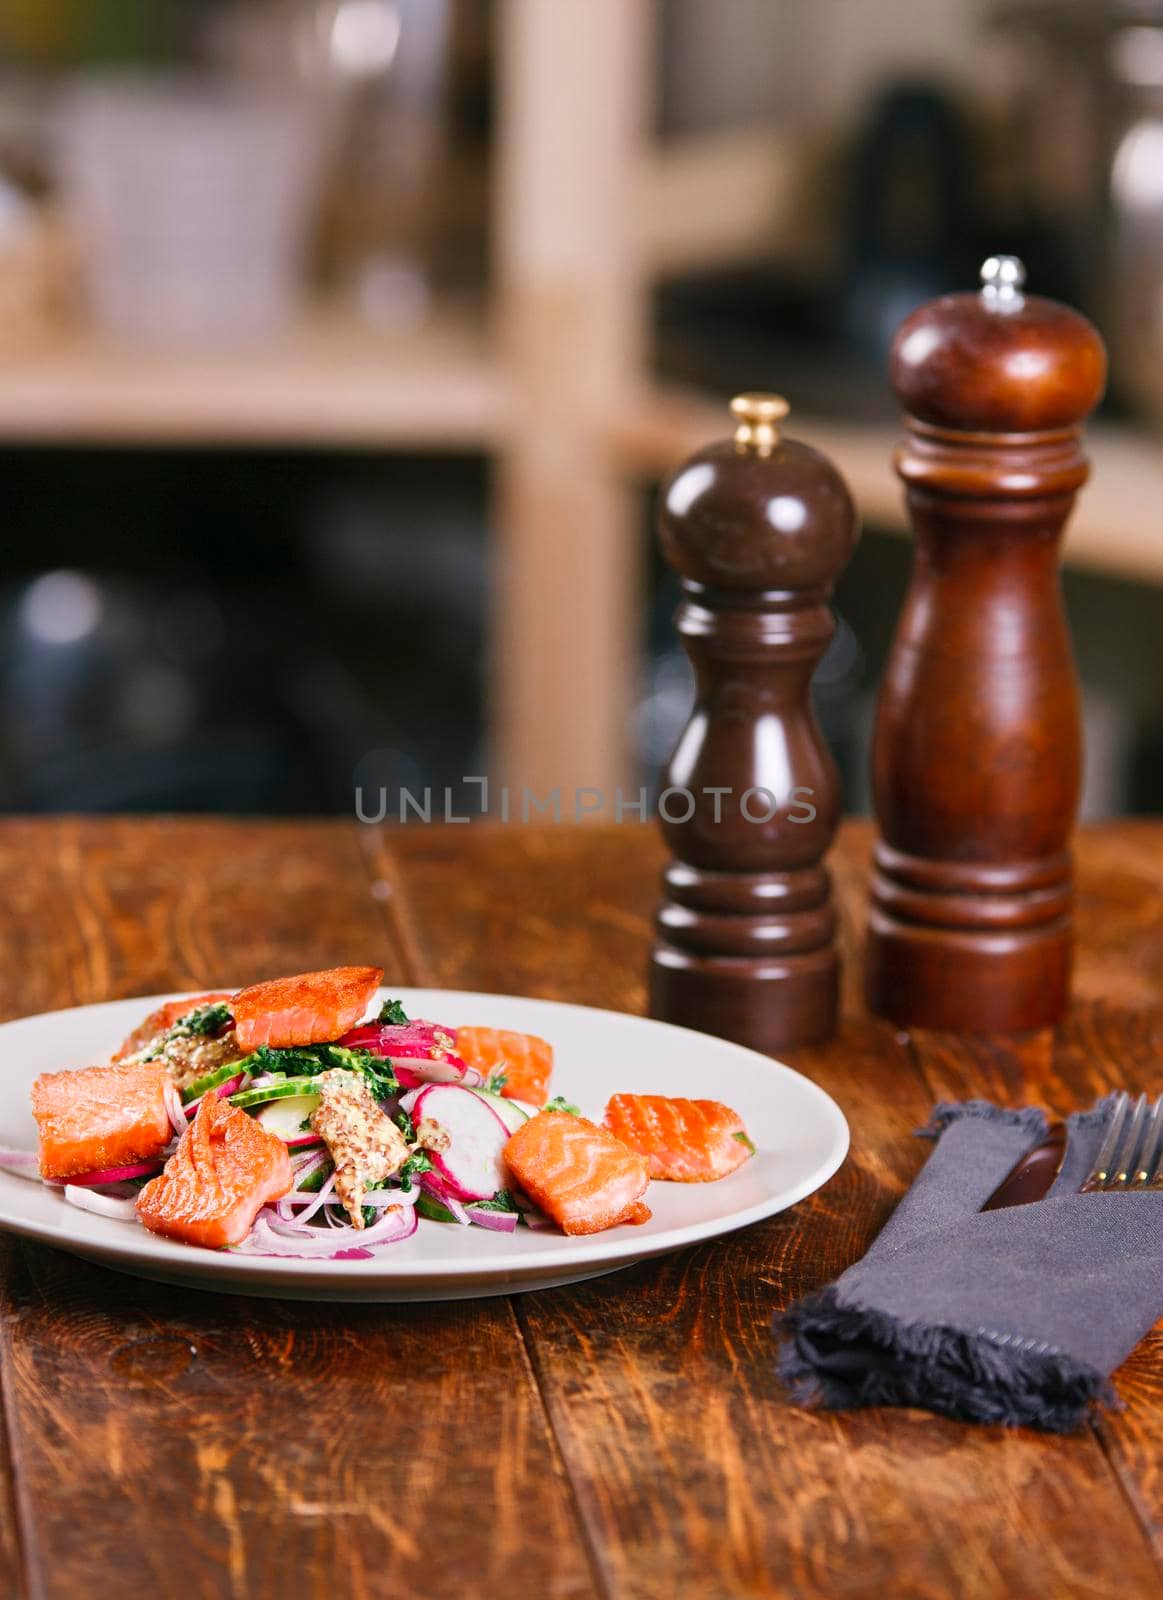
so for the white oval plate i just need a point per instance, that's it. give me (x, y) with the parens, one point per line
(800, 1134)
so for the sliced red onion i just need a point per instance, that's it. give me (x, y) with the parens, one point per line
(21, 1163)
(309, 1141)
(538, 1223)
(103, 1205)
(271, 1237)
(316, 1201)
(107, 1175)
(175, 1110)
(497, 1221)
(391, 1197)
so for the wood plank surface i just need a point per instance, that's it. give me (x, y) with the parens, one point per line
(694, 1474)
(195, 1445)
(626, 1437)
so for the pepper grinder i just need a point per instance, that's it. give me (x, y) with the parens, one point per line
(977, 751)
(757, 527)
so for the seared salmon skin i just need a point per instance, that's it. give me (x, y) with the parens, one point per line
(313, 1008)
(577, 1173)
(225, 1169)
(685, 1141)
(526, 1060)
(162, 1020)
(99, 1117)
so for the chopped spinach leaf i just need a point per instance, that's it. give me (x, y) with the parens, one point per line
(406, 1126)
(416, 1163)
(369, 1215)
(393, 1013)
(501, 1201)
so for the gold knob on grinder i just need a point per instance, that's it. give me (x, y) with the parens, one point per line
(758, 417)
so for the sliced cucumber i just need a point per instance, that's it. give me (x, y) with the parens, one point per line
(314, 1181)
(285, 1117)
(272, 1091)
(212, 1080)
(511, 1112)
(433, 1210)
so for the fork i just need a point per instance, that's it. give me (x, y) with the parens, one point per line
(1132, 1152)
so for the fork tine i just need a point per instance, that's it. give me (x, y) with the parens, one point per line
(1104, 1161)
(1151, 1155)
(1124, 1163)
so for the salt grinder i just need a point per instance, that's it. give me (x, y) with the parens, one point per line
(757, 527)
(976, 754)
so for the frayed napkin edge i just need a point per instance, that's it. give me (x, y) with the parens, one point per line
(1030, 1120)
(971, 1377)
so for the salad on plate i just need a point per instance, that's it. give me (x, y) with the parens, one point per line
(296, 1118)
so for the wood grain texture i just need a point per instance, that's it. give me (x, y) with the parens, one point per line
(205, 1446)
(624, 1438)
(693, 1473)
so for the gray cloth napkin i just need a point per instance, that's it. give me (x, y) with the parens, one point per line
(1015, 1316)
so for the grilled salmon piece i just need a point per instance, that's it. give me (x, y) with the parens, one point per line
(225, 1169)
(312, 1008)
(99, 1117)
(685, 1141)
(577, 1173)
(162, 1020)
(526, 1060)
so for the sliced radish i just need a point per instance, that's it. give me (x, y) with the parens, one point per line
(285, 1119)
(472, 1167)
(420, 1052)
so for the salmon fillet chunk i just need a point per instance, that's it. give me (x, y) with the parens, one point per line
(159, 1022)
(225, 1169)
(525, 1060)
(577, 1173)
(684, 1141)
(99, 1117)
(312, 1008)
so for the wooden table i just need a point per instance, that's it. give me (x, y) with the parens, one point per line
(626, 1437)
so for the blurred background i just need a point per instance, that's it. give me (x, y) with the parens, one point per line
(343, 342)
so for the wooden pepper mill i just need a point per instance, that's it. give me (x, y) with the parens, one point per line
(976, 757)
(757, 528)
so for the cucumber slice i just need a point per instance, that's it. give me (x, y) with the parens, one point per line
(314, 1181)
(212, 1080)
(433, 1210)
(285, 1117)
(511, 1112)
(271, 1091)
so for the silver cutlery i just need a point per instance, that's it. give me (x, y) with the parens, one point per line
(1131, 1156)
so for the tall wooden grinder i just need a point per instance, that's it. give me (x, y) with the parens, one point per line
(757, 527)
(977, 751)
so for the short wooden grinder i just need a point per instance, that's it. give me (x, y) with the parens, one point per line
(976, 755)
(757, 527)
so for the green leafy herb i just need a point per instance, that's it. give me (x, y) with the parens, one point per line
(204, 1019)
(369, 1215)
(501, 1201)
(416, 1163)
(406, 1126)
(560, 1103)
(743, 1139)
(393, 1013)
(308, 1061)
(496, 1080)
(201, 1022)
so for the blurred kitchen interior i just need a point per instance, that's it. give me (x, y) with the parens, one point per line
(343, 341)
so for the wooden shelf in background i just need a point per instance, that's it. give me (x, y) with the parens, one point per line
(331, 382)
(1116, 529)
